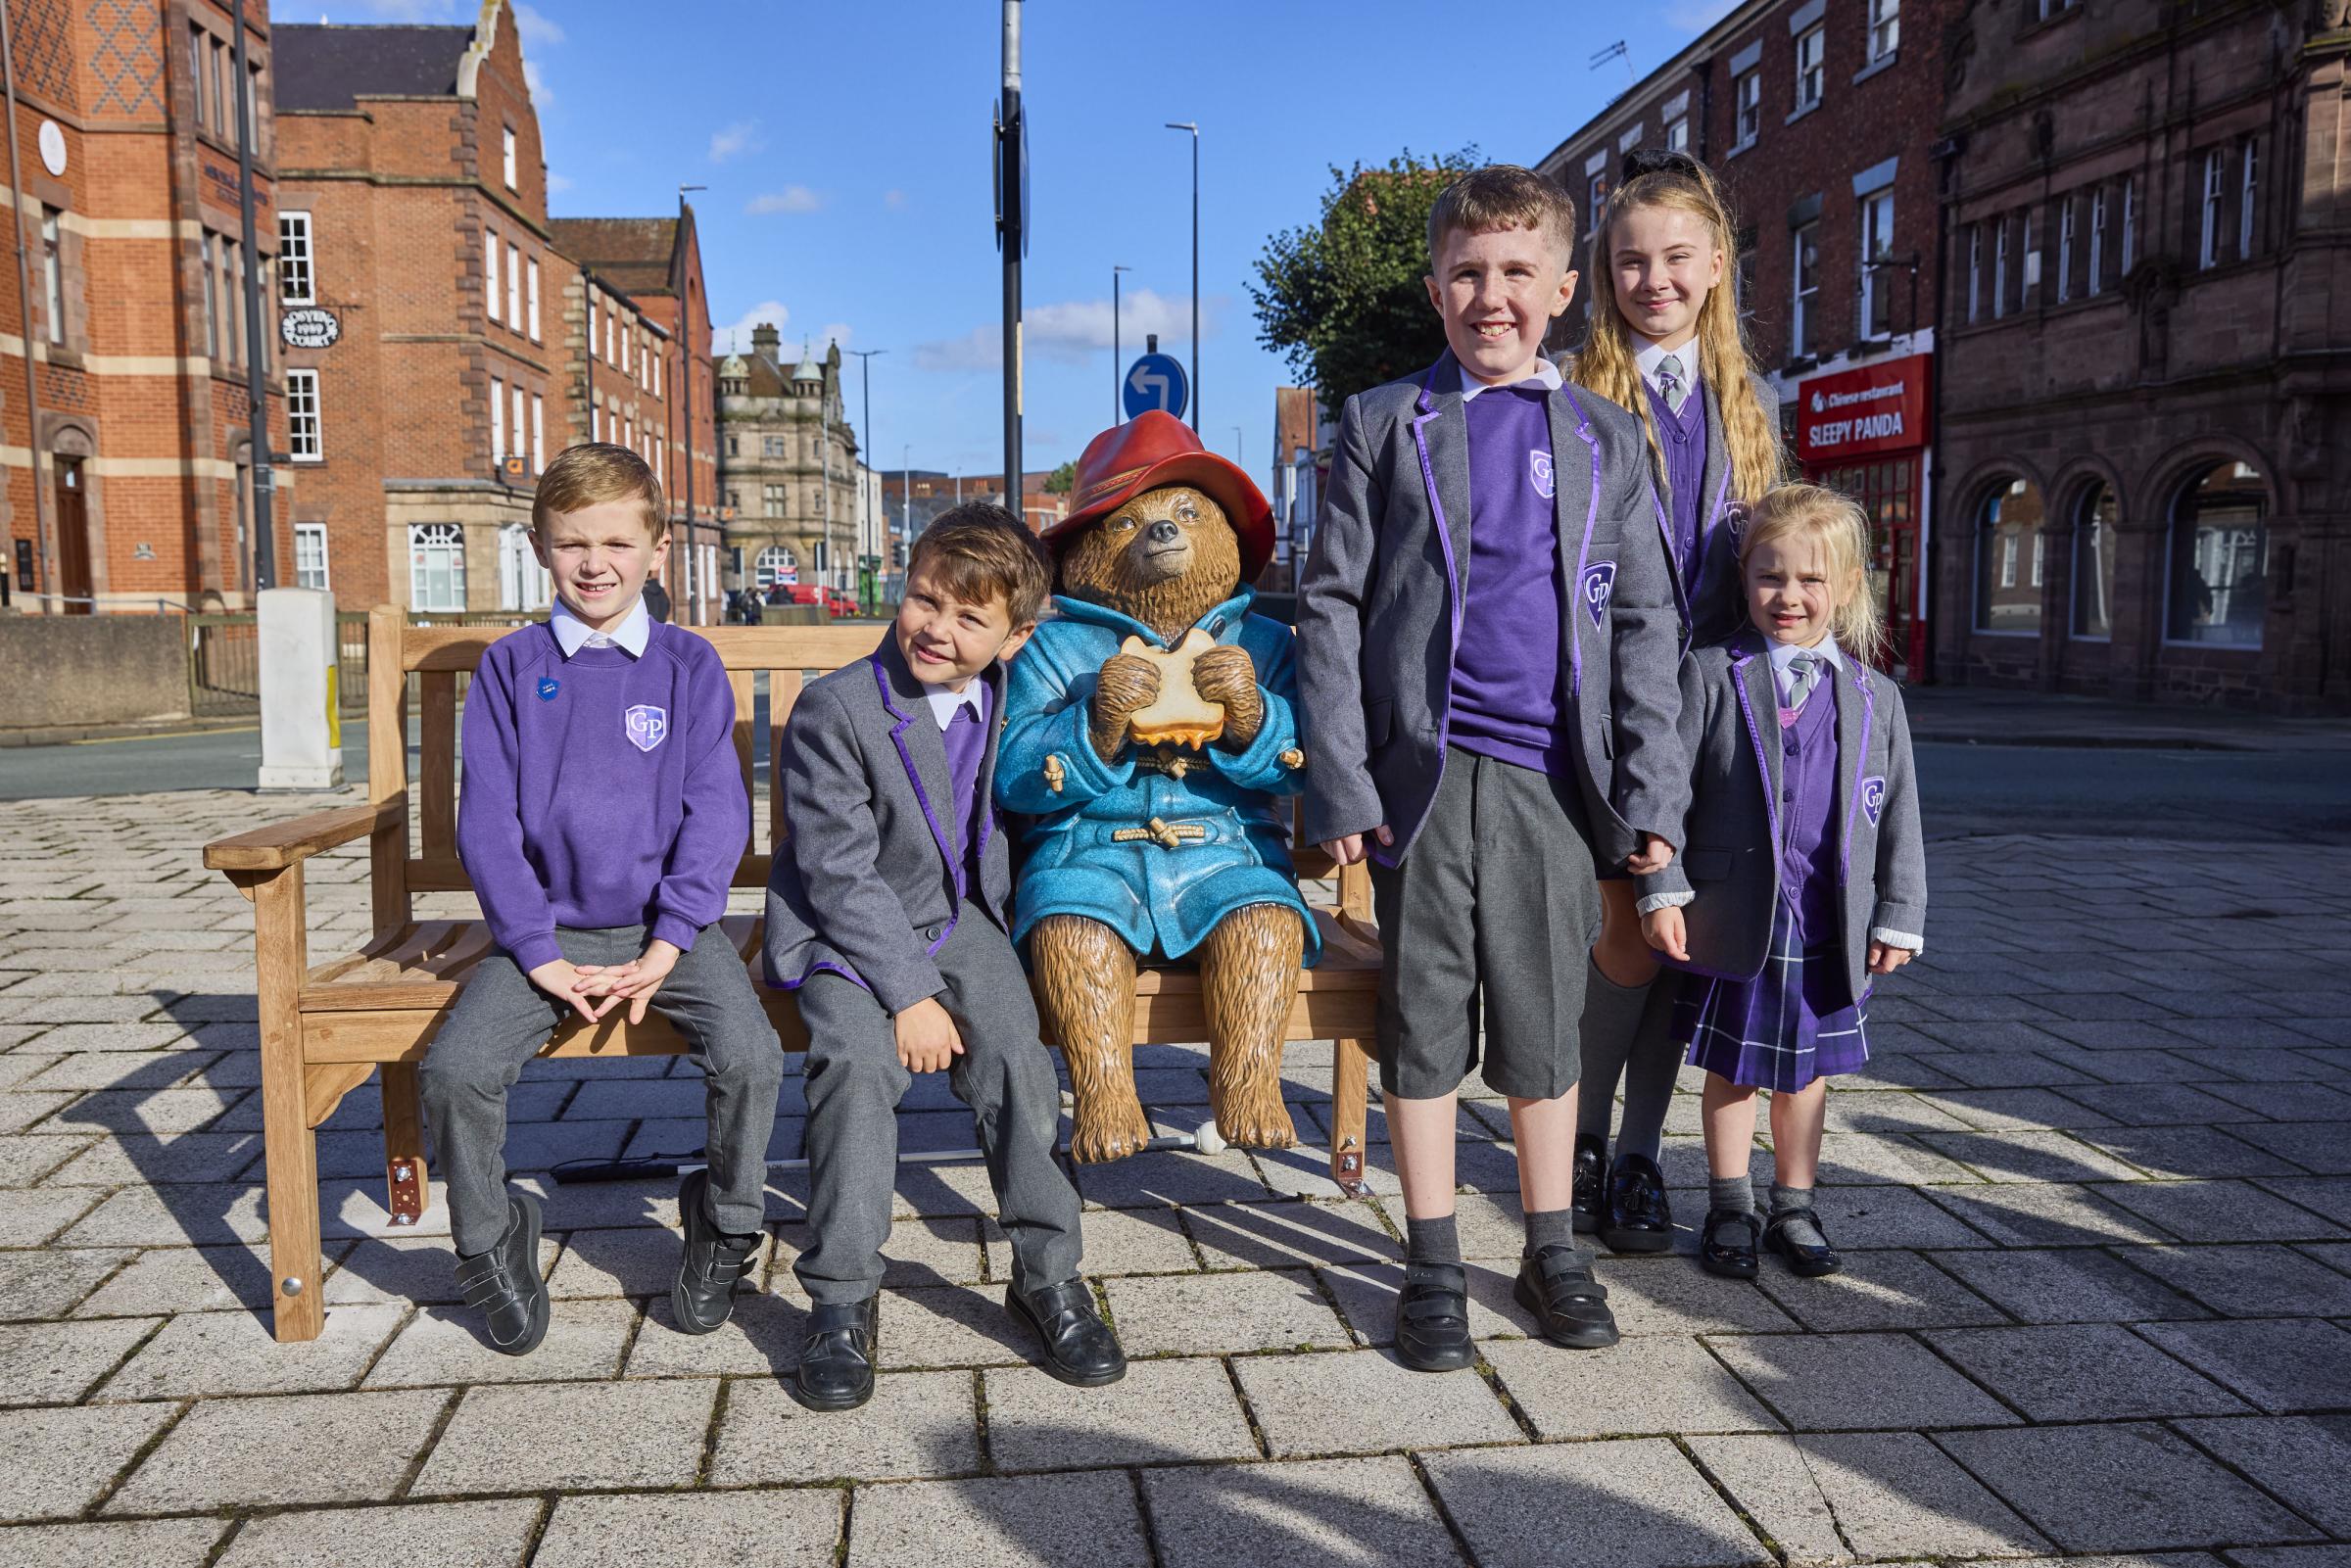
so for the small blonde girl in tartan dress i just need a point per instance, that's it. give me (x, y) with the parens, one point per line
(1803, 874)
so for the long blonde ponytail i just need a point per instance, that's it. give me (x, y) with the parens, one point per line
(1607, 361)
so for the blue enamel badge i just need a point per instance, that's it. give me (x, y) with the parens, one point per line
(549, 685)
(1599, 584)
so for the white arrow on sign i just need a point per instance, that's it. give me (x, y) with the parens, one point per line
(1149, 384)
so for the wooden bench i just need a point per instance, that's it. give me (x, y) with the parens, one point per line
(326, 1028)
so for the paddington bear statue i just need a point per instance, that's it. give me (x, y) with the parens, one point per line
(1150, 735)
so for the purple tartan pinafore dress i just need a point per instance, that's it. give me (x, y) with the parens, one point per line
(1796, 1020)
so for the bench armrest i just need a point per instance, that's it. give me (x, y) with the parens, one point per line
(288, 843)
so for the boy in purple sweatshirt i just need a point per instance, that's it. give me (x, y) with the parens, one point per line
(602, 817)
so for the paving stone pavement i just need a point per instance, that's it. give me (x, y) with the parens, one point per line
(2095, 1186)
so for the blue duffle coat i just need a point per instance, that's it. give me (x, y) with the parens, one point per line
(1162, 900)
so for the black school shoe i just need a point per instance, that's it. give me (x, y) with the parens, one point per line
(504, 1285)
(836, 1371)
(1570, 1307)
(1432, 1318)
(1591, 1201)
(1804, 1258)
(1719, 1254)
(1080, 1347)
(1640, 1217)
(703, 1297)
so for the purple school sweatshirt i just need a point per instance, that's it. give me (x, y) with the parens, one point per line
(601, 789)
(1508, 693)
(1683, 439)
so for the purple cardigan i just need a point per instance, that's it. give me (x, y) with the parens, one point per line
(600, 790)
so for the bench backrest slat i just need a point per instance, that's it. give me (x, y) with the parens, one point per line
(783, 693)
(436, 767)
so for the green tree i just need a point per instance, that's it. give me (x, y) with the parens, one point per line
(1061, 481)
(1342, 299)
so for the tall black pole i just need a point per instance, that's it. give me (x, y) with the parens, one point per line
(1012, 186)
(49, 548)
(256, 388)
(1118, 360)
(1194, 127)
(686, 360)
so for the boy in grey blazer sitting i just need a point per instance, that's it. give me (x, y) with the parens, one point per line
(1486, 647)
(887, 909)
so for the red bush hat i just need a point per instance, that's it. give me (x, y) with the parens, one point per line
(1157, 449)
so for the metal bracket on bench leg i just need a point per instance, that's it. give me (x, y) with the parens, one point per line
(1347, 1169)
(406, 1190)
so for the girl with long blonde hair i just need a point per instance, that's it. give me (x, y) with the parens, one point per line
(1664, 341)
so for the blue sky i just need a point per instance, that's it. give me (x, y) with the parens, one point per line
(847, 152)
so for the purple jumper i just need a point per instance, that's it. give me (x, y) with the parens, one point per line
(600, 790)
(966, 740)
(1683, 438)
(1507, 699)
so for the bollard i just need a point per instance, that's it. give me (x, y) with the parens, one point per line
(301, 732)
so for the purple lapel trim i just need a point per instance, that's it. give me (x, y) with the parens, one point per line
(939, 834)
(1583, 552)
(1427, 404)
(1673, 570)
(826, 966)
(1852, 794)
(1739, 663)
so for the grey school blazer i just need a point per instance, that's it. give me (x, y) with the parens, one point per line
(1713, 607)
(869, 881)
(1380, 609)
(1730, 729)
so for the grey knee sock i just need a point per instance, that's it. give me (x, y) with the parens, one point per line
(1734, 1193)
(1649, 1070)
(1549, 1228)
(1432, 1241)
(1797, 1201)
(1611, 1015)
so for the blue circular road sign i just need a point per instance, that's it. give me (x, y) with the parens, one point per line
(1155, 381)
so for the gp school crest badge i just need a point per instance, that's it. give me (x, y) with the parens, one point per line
(648, 726)
(549, 685)
(1873, 798)
(1600, 582)
(1538, 467)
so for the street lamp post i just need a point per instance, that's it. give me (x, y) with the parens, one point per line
(865, 442)
(696, 591)
(257, 389)
(1012, 214)
(1195, 128)
(1118, 360)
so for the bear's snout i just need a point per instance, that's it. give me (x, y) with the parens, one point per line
(1164, 532)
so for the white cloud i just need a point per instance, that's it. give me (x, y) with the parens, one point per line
(1075, 330)
(542, 95)
(727, 337)
(791, 199)
(737, 139)
(839, 332)
(981, 349)
(537, 31)
(556, 184)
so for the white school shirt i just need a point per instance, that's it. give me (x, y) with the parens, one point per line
(944, 702)
(631, 635)
(1652, 354)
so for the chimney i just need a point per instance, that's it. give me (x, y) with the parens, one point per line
(766, 341)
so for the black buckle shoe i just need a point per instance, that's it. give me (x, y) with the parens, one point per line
(1730, 1260)
(1591, 1201)
(1639, 1216)
(1570, 1307)
(1804, 1257)
(703, 1297)
(1080, 1347)
(836, 1371)
(504, 1285)
(1432, 1318)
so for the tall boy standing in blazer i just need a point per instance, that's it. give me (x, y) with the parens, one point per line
(1486, 647)
(887, 909)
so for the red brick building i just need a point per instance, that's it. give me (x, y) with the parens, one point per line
(128, 462)
(440, 345)
(2147, 383)
(1821, 118)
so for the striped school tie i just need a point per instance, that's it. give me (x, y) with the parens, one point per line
(1669, 381)
(1803, 672)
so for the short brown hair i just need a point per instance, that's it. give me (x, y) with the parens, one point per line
(1502, 196)
(594, 472)
(983, 553)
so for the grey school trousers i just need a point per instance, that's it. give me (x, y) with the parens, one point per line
(500, 1021)
(1488, 918)
(1004, 1075)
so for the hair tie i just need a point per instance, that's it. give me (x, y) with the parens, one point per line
(1659, 160)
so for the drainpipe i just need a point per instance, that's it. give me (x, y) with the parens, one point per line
(33, 392)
